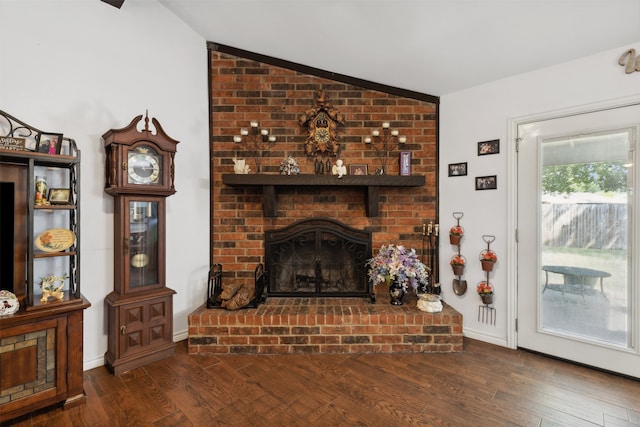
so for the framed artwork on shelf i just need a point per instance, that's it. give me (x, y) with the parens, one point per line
(49, 143)
(458, 169)
(405, 163)
(486, 182)
(59, 196)
(11, 143)
(358, 170)
(488, 147)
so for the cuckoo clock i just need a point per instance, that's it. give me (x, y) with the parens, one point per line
(322, 127)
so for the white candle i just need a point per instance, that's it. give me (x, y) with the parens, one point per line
(264, 132)
(394, 132)
(375, 133)
(237, 139)
(385, 125)
(436, 229)
(367, 140)
(254, 124)
(272, 138)
(244, 132)
(402, 139)
(430, 228)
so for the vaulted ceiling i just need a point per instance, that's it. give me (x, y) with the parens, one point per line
(430, 46)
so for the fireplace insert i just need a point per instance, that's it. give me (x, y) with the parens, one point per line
(318, 257)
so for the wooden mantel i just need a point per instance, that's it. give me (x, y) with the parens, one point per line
(371, 183)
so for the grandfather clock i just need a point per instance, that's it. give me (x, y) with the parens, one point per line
(140, 176)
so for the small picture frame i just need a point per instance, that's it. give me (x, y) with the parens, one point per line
(49, 143)
(358, 170)
(59, 196)
(405, 163)
(486, 182)
(458, 169)
(488, 147)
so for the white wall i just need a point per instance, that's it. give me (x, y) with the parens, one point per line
(482, 113)
(83, 67)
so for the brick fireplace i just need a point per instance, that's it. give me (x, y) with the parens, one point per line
(250, 87)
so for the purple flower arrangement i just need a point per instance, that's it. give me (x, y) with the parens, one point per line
(399, 264)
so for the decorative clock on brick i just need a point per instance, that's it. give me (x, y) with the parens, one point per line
(322, 126)
(140, 176)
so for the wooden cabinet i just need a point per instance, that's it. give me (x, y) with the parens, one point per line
(145, 329)
(41, 357)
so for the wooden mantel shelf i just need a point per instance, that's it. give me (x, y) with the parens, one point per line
(371, 183)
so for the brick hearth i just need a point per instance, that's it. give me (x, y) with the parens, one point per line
(325, 325)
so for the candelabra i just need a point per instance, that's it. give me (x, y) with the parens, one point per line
(383, 144)
(255, 141)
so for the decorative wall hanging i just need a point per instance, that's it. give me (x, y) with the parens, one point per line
(322, 128)
(488, 147)
(486, 313)
(458, 262)
(486, 182)
(458, 169)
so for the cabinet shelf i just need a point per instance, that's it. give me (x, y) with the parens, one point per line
(54, 254)
(370, 183)
(54, 207)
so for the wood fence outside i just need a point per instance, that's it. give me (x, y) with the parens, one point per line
(585, 225)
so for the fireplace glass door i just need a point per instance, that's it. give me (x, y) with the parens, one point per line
(317, 258)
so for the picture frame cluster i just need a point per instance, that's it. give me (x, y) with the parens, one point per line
(487, 182)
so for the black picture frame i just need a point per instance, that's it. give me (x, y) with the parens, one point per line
(488, 147)
(489, 182)
(49, 143)
(458, 169)
(59, 196)
(358, 170)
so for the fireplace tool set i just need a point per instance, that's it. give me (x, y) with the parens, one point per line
(430, 235)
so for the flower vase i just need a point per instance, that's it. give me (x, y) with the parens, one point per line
(454, 239)
(487, 298)
(487, 265)
(396, 292)
(458, 270)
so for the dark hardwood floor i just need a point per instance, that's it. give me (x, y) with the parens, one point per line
(485, 385)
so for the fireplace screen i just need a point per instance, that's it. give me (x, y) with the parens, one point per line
(318, 257)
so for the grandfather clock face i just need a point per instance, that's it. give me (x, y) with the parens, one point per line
(144, 166)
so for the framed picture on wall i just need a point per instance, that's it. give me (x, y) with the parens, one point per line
(358, 170)
(488, 147)
(486, 182)
(458, 169)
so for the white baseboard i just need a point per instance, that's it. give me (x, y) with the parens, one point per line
(481, 336)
